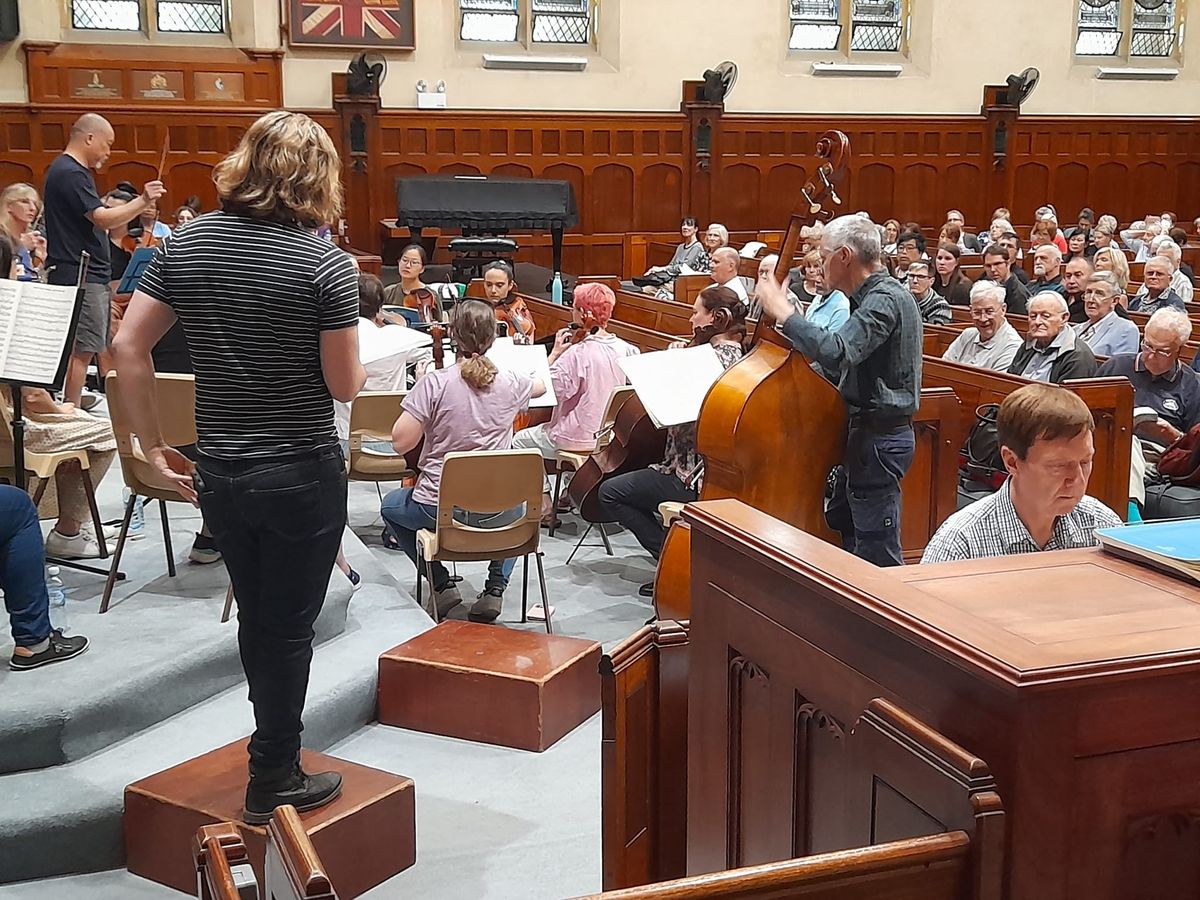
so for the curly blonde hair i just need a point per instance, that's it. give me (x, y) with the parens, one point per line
(285, 169)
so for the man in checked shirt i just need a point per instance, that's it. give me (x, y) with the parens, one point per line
(1045, 437)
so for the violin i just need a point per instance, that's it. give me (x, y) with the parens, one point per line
(515, 314)
(746, 453)
(425, 303)
(581, 331)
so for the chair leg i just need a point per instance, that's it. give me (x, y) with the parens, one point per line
(433, 610)
(419, 598)
(41, 489)
(116, 559)
(228, 604)
(604, 537)
(579, 543)
(545, 599)
(90, 490)
(162, 508)
(525, 588)
(557, 493)
(379, 491)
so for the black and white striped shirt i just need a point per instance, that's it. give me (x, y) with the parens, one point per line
(253, 298)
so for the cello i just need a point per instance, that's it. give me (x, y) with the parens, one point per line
(747, 456)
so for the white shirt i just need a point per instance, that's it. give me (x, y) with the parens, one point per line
(736, 285)
(385, 353)
(996, 353)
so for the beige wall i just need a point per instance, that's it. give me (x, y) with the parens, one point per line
(647, 47)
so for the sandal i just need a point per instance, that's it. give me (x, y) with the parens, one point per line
(389, 540)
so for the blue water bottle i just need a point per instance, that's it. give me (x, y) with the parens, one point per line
(58, 599)
(556, 289)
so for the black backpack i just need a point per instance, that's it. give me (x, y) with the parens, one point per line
(980, 460)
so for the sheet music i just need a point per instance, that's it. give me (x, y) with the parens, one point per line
(35, 330)
(672, 384)
(376, 343)
(525, 359)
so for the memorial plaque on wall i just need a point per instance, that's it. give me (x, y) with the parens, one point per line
(221, 86)
(351, 23)
(157, 85)
(94, 84)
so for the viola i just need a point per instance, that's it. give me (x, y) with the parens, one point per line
(747, 455)
(581, 331)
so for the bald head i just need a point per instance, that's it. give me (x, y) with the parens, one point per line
(724, 264)
(91, 140)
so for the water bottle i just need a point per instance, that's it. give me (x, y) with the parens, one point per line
(58, 599)
(556, 289)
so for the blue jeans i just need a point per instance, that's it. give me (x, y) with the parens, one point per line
(23, 568)
(405, 516)
(278, 524)
(866, 507)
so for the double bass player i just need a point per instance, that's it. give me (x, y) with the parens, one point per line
(876, 358)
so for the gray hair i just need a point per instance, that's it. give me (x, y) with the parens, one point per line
(1170, 263)
(860, 235)
(1105, 278)
(988, 290)
(1170, 250)
(1058, 298)
(722, 230)
(1174, 320)
(1107, 221)
(1052, 249)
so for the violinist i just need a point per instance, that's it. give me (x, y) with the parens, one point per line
(876, 357)
(632, 499)
(584, 372)
(468, 406)
(146, 230)
(500, 289)
(410, 290)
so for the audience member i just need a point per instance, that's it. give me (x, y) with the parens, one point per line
(997, 267)
(725, 262)
(829, 308)
(949, 281)
(1160, 380)
(1047, 271)
(1074, 276)
(1085, 222)
(1103, 237)
(910, 246)
(1045, 438)
(766, 268)
(1155, 293)
(1181, 284)
(183, 215)
(805, 278)
(998, 227)
(19, 208)
(1044, 233)
(1010, 240)
(992, 342)
(690, 254)
(23, 581)
(1051, 351)
(968, 242)
(1112, 259)
(1103, 329)
(891, 231)
(933, 308)
(76, 220)
(469, 406)
(1137, 238)
(1079, 245)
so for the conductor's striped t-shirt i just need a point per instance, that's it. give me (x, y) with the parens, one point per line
(253, 298)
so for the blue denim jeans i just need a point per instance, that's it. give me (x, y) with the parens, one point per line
(405, 517)
(23, 568)
(875, 462)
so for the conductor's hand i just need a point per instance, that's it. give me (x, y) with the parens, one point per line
(773, 297)
(175, 468)
(152, 191)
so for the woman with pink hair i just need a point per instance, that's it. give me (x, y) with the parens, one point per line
(584, 372)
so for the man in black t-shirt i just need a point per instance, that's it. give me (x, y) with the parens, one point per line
(76, 222)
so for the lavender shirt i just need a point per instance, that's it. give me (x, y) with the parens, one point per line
(584, 378)
(458, 418)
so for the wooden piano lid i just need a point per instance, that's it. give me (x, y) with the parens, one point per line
(1031, 619)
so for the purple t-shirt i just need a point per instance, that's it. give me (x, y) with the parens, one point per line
(457, 418)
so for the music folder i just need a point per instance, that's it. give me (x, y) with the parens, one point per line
(672, 384)
(525, 359)
(37, 331)
(133, 272)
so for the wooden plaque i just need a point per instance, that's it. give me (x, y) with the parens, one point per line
(157, 84)
(353, 24)
(95, 84)
(220, 87)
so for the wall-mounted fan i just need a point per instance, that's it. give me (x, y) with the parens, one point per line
(365, 74)
(719, 82)
(1021, 86)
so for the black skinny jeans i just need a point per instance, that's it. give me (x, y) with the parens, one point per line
(278, 524)
(632, 500)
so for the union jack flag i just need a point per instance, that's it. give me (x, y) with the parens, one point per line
(352, 23)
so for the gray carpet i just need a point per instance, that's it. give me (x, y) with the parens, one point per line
(160, 685)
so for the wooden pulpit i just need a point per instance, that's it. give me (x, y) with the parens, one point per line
(1075, 674)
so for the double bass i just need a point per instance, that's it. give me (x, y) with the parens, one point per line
(747, 455)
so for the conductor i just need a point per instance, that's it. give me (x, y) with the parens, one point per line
(876, 357)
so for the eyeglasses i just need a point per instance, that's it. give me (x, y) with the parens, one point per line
(918, 275)
(1158, 351)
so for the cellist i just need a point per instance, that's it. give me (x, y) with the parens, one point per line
(718, 318)
(584, 372)
(876, 356)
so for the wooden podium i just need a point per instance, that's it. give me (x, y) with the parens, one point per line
(1076, 675)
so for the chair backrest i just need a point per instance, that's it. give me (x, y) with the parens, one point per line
(490, 482)
(616, 400)
(293, 870)
(175, 398)
(222, 863)
(372, 416)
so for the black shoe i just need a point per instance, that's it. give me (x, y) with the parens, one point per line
(60, 648)
(301, 790)
(204, 550)
(486, 608)
(646, 590)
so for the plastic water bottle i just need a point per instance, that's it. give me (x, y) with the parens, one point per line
(556, 289)
(58, 599)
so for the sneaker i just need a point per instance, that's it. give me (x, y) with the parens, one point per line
(355, 580)
(446, 599)
(646, 590)
(137, 519)
(88, 400)
(486, 607)
(204, 550)
(78, 546)
(296, 788)
(60, 648)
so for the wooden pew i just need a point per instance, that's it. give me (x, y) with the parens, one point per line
(367, 262)
(644, 762)
(222, 863)
(1109, 399)
(293, 871)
